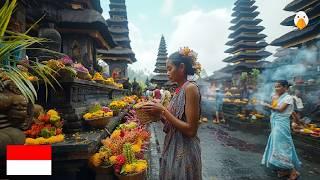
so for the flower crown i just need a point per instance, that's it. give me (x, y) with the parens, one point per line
(186, 51)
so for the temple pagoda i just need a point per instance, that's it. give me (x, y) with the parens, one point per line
(119, 57)
(247, 42)
(161, 77)
(283, 59)
(309, 35)
(307, 42)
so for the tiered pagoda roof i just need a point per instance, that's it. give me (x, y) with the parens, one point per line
(118, 27)
(297, 37)
(283, 57)
(161, 77)
(247, 41)
(73, 16)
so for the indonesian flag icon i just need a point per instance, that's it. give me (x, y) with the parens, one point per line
(29, 160)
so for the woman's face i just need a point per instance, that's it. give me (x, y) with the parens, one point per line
(279, 89)
(173, 72)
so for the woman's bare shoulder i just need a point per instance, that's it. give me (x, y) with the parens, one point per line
(191, 88)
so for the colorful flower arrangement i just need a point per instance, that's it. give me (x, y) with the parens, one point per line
(97, 112)
(130, 99)
(47, 129)
(97, 77)
(118, 105)
(125, 148)
(107, 81)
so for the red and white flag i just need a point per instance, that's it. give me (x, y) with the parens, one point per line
(29, 160)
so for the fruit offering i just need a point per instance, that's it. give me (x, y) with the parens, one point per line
(46, 129)
(98, 77)
(118, 105)
(54, 64)
(80, 68)
(42, 140)
(97, 112)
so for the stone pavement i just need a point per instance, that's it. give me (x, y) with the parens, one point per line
(230, 154)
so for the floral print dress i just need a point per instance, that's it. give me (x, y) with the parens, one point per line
(181, 157)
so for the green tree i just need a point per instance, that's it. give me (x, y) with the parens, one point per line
(147, 83)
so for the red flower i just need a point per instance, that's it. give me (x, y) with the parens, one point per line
(121, 159)
(122, 134)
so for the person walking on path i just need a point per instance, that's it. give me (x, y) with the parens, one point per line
(219, 104)
(181, 156)
(280, 153)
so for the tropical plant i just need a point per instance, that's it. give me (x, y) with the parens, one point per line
(244, 76)
(13, 42)
(254, 76)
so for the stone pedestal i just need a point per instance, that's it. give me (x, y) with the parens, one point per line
(73, 99)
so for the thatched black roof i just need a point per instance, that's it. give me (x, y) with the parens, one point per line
(243, 20)
(85, 19)
(313, 14)
(243, 36)
(298, 4)
(281, 52)
(245, 8)
(246, 45)
(220, 75)
(160, 77)
(119, 52)
(244, 2)
(243, 66)
(246, 28)
(245, 14)
(247, 55)
(297, 35)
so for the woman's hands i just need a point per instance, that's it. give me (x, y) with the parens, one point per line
(154, 107)
(268, 106)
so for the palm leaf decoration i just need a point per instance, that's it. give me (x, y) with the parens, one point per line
(10, 43)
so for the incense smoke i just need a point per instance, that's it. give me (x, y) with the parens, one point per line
(300, 65)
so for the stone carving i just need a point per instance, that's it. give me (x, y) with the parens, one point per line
(16, 115)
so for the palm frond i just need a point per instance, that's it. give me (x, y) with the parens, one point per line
(5, 15)
(10, 42)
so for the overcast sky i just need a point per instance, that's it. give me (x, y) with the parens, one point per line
(200, 24)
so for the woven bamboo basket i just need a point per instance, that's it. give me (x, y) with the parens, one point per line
(146, 117)
(136, 176)
(83, 75)
(99, 122)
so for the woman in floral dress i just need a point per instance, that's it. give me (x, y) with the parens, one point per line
(181, 156)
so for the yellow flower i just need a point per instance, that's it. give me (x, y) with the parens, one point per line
(55, 139)
(109, 114)
(41, 140)
(30, 141)
(116, 134)
(113, 159)
(140, 166)
(96, 159)
(136, 148)
(139, 141)
(128, 168)
(52, 112)
(87, 116)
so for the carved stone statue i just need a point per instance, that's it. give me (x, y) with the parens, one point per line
(54, 42)
(16, 115)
